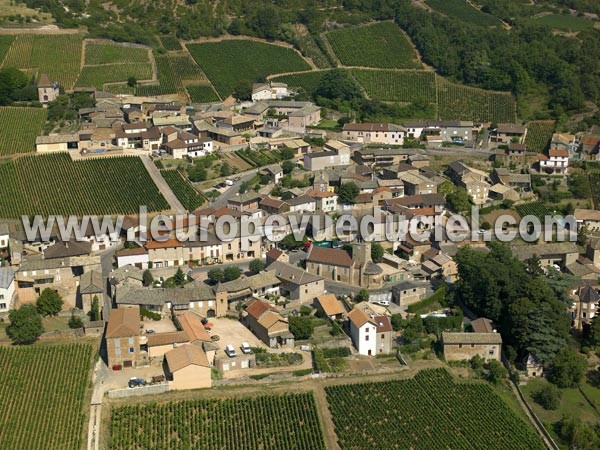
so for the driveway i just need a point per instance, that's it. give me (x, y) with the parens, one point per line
(162, 185)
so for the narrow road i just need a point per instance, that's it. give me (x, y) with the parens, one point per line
(162, 185)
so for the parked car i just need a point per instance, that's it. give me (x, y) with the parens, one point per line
(135, 382)
(246, 348)
(230, 351)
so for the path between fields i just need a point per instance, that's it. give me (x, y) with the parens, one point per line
(161, 184)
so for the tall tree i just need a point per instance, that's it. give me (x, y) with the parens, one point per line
(49, 303)
(25, 325)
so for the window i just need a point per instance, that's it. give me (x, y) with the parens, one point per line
(472, 345)
(131, 350)
(459, 345)
(491, 352)
(1, 296)
(130, 341)
(118, 351)
(366, 338)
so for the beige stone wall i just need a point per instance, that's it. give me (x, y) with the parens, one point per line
(191, 377)
(124, 344)
(341, 274)
(173, 256)
(458, 352)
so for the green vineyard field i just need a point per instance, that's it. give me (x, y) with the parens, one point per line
(539, 135)
(461, 10)
(110, 53)
(457, 102)
(537, 209)
(430, 411)
(183, 190)
(308, 81)
(174, 70)
(58, 55)
(96, 76)
(285, 422)
(381, 45)
(16, 138)
(54, 184)
(202, 93)
(170, 43)
(397, 86)
(43, 392)
(6, 41)
(228, 62)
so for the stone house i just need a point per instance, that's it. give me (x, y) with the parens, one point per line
(296, 282)
(48, 90)
(330, 306)
(371, 335)
(7, 288)
(267, 324)
(187, 367)
(406, 293)
(125, 346)
(464, 346)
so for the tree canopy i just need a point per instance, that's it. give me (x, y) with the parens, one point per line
(49, 303)
(25, 325)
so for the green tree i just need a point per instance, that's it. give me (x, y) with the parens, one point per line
(348, 193)
(496, 371)
(362, 296)
(301, 327)
(215, 275)
(49, 303)
(225, 170)
(243, 90)
(131, 81)
(147, 278)
(582, 236)
(459, 200)
(231, 273)
(256, 265)
(548, 396)
(287, 154)
(568, 368)
(376, 251)
(287, 166)
(75, 322)
(25, 325)
(338, 85)
(289, 242)
(95, 310)
(577, 434)
(179, 277)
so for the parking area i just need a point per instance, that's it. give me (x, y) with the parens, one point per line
(232, 332)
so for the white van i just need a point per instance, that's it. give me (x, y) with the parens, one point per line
(230, 351)
(246, 348)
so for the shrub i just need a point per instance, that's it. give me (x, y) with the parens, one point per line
(548, 397)
(149, 314)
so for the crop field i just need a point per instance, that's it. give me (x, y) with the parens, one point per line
(174, 70)
(6, 41)
(565, 22)
(457, 102)
(539, 135)
(123, 88)
(16, 138)
(58, 55)
(43, 396)
(201, 93)
(228, 62)
(110, 53)
(55, 184)
(283, 422)
(537, 209)
(461, 10)
(96, 76)
(595, 188)
(430, 411)
(183, 190)
(381, 45)
(170, 43)
(308, 81)
(397, 86)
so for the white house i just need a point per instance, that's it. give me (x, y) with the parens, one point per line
(183, 143)
(4, 236)
(269, 91)
(556, 162)
(7, 288)
(303, 203)
(371, 335)
(137, 257)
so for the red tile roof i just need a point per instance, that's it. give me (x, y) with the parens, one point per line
(329, 256)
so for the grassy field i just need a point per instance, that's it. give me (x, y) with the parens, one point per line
(16, 138)
(380, 45)
(96, 76)
(110, 53)
(461, 10)
(430, 411)
(565, 22)
(54, 184)
(58, 55)
(397, 86)
(43, 396)
(282, 422)
(228, 62)
(202, 93)
(11, 9)
(458, 102)
(174, 71)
